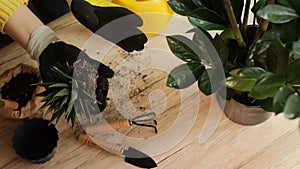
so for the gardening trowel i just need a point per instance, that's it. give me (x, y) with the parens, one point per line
(132, 155)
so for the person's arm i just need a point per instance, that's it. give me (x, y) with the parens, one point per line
(21, 25)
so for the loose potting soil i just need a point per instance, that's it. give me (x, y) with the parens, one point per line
(19, 88)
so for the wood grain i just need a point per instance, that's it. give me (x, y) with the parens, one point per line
(272, 144)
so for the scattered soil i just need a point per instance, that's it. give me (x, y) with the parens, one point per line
(95, 84)
(19, 89)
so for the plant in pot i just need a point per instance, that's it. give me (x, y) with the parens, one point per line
(259, 59)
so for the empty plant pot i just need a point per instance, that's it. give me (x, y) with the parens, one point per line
(35, 140)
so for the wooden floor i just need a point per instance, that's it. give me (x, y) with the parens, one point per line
(272, 144)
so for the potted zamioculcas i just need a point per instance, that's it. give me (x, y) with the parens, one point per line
(260, 59)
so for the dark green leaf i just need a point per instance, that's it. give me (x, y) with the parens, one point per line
(277, 57)
(287, 33)
(290, 3)
(74, 96)
(244, 79)
(49, 110)
(183, 48)
(182, 7)
(198, 3)
(185, 75)
(204, 83)
(221, 48)
(296, 49)
(208, 15)
(294, 68)
(46, 84)
(214, 5)
(294, 80)
(266, 104)
(280, 98)
(57, 85)
(206, 25)
(48, 97)
(260, 4)
(292, 108)
(62, 92)
(277, 14)
(209, 82)
(267, 86)
(61, 75)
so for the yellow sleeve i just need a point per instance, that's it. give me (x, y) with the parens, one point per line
(7, 9)
(101, 3)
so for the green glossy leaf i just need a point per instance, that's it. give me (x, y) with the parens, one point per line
(58, 85)
(244, 79)
(183, 48)
(266, 104)
(208, 15)
(206, 25)
(222, 49)
(182, 7)
(280, 98)
(208, 83)
(74, 97)
(185, 75)
(287, 33)
(260, 4)
(62, 92)
(295, 4)
(277, 14)
(292, 108)
(277, 57)
(45, 84)
(198, 3)
(61, 75)
(48, 97)
(214, 5)
(296, 49)
(49, 110)
(267, 86)
(204, 83)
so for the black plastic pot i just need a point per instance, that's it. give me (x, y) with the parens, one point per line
(35, 140)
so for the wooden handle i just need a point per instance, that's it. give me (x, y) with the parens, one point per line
(8, 104)
(85, 139)
(117, 124)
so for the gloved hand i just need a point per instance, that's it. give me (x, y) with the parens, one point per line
(50, 52)
(99, 19)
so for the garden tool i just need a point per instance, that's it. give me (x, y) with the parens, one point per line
(132, 155)
(146, 120)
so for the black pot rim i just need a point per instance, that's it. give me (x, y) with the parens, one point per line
(35, 140)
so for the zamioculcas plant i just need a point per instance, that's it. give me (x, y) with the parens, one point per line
(261, 60)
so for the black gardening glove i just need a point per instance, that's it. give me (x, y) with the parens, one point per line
(99, 19)
(59, 54)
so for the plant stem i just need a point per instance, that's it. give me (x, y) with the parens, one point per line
(263, 26)
(234, 24)
(246, 16)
